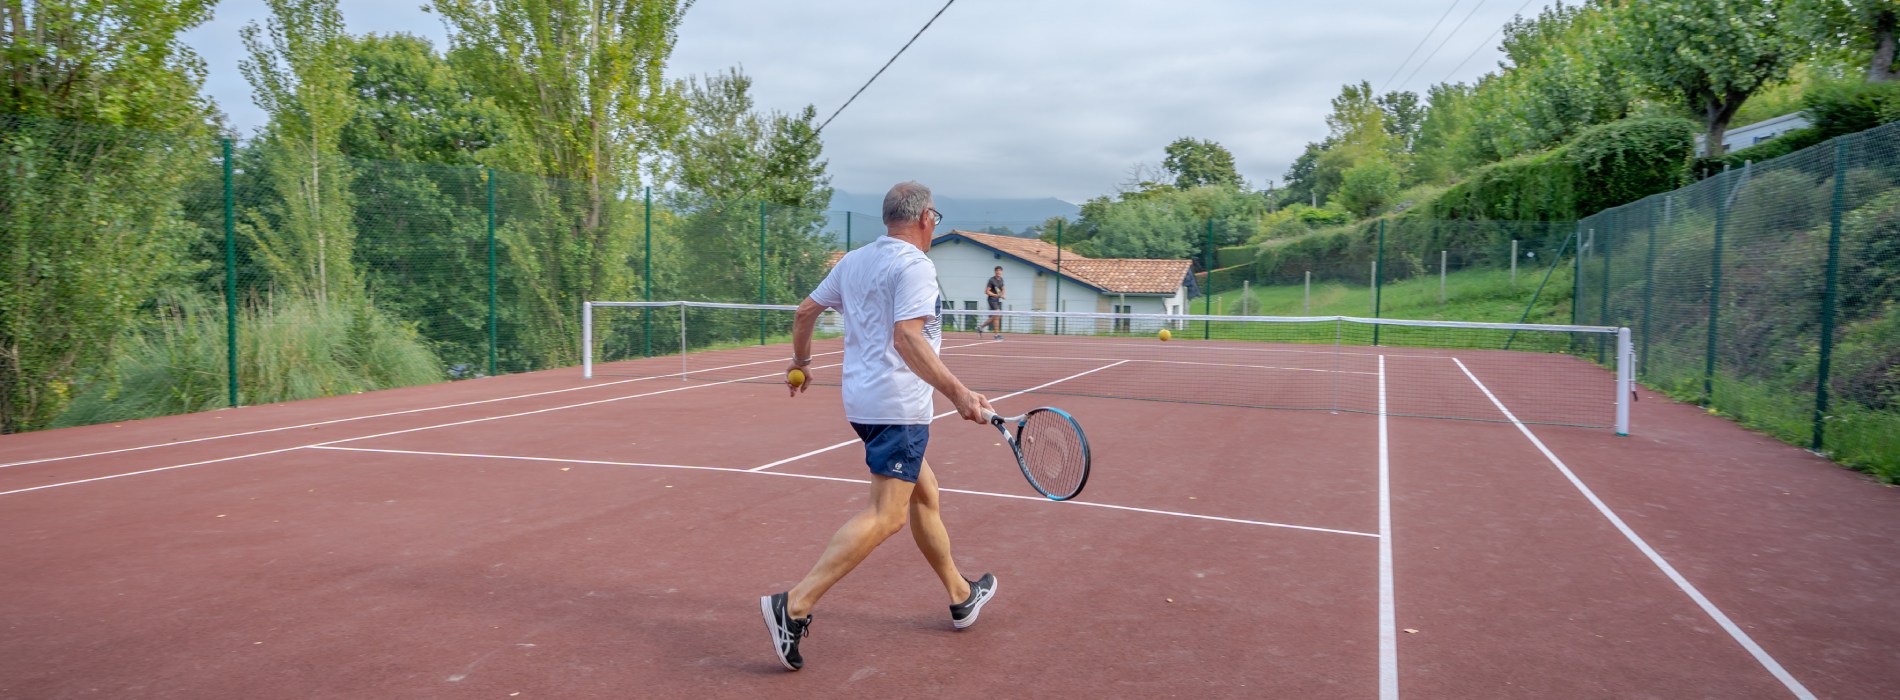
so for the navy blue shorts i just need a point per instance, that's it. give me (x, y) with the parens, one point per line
(896, 451)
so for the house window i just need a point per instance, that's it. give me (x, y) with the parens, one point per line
(1122, 324)
(969, 320)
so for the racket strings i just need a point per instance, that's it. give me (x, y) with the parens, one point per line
(1053, 452)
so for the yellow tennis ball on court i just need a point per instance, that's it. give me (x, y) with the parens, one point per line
(795, 378)
(1164, 334)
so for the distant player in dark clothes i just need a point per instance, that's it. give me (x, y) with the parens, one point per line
(994, 290)
(886, 293)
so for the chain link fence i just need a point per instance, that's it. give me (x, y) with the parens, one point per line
(1767, 293)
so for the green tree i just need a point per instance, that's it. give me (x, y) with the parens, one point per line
(1195, 162)
(728, 161)
(583, 82)
(89, 218)
(1858, 25)
(1403, 116)
(1301, 176)
(1711, 53)
(415, 107)
(1369, 186)
(300, 73)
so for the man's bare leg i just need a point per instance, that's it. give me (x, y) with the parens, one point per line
(854, 541)
(926, 527)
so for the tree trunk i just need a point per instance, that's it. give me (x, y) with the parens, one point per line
(1881, 69)
(1717, 111)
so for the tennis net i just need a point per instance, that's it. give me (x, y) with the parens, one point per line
(1541, 374)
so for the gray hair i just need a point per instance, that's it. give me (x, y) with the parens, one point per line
(905, 202)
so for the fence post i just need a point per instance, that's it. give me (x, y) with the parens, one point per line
(1603, 308)
(1649, 280)
(1306, 299)
(1378, 282)
(1715, 288)
(847, 230)
(1829, 292)
(230, 282)
(1441, 277)
(1207, 307)
(492, 334)
(1058, 305)
(1576, 276)
(1246, 295)
(1513, 262)
(761, 270)
(647, 313)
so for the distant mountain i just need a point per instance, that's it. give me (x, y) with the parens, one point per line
(970, 214)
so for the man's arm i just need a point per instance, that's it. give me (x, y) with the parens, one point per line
(803, 324)
(911, 344)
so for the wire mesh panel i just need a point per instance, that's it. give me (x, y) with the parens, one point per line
(1429, 369)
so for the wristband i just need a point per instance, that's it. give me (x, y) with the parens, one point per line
(801, 361)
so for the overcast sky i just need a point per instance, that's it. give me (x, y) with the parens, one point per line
(1019, 98)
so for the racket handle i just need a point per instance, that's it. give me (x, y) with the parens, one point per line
(993, 419)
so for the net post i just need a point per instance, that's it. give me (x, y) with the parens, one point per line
(1625, 357)
(493, 334)
(682, 341)
(1829, 294)
(230, 282)
(647, 314)
(587, 340)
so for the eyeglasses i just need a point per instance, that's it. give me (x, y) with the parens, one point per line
(936, 217)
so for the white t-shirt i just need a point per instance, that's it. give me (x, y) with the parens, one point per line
(873, 288)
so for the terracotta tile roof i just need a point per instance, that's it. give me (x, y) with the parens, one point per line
(1111, 275)
(831, 260)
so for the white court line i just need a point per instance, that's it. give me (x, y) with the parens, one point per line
(386, 415)
(1734, 631)
(688, 387)
(1388, 613)
(395, 432)
(1039, 499)
(1372, 350)
(149, 471)
(1158, 362)
(933, 419)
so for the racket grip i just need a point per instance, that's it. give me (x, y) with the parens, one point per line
(993, 419)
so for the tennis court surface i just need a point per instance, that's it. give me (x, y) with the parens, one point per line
(558, 536)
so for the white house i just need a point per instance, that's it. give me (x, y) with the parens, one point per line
(1748, 135)
(965, 261)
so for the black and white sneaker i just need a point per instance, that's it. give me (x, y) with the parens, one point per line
(785, 631)
(981, 590)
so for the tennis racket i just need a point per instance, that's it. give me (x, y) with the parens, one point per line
(1050, 448)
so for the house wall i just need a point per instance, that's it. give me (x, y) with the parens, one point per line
(963, 268)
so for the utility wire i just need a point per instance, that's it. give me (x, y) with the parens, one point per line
(1421, 44)
(1486, 42)
(887, 64)
(1441, 44)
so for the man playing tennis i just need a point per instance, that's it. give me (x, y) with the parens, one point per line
(994, 290)
(886, 293)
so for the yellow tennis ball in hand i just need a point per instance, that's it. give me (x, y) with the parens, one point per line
(1164, 334)
(795, 378)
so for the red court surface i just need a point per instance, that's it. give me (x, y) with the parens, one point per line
(544, 535)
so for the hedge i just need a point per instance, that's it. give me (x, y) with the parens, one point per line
(1604, 166)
